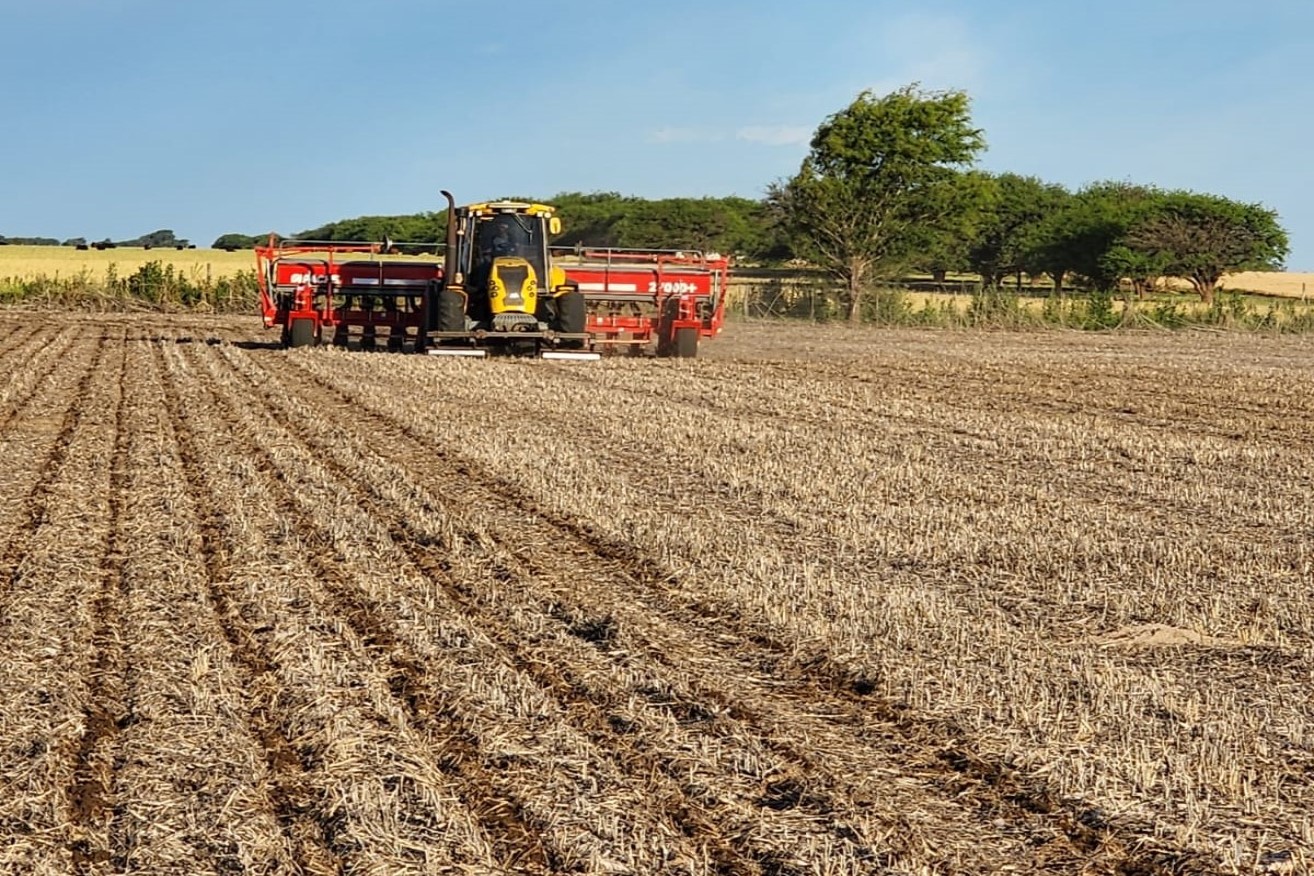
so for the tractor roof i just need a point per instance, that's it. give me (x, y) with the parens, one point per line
(489, 207)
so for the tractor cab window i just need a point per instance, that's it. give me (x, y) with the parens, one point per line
(508, 234)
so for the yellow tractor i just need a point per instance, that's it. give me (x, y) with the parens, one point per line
(499, 289)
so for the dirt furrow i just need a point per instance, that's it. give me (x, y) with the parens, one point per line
(959, 769)
(18, 335)
(174, 762)
(391, 805)
(13, 329)
(89, 794)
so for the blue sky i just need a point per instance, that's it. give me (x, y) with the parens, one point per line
(123, 116)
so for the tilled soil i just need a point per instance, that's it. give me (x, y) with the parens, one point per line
(825, 601)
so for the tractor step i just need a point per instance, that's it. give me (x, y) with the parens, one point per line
(465, 352)
(570, 355)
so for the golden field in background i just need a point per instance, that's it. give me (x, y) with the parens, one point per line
(31, 262)
(63, 262)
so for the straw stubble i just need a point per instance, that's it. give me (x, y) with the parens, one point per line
(910, 602)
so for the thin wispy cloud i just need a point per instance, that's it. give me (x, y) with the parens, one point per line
(685, 135)
(768, 135)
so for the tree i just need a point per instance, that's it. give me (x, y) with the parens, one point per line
(231, 242)
(28, 241)
(869, 183)
(1202, 237)
(1009, 229)
(1142, 268)
(415, 228)
(957, 212)
(1079, 237)
(729, 225)
(162, 238)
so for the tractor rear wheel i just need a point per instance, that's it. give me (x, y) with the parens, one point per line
(572, 315)
(302, 333)
(449, 311)
(686, 343)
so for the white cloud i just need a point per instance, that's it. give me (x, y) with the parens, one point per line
(685, 135)
(775, 135)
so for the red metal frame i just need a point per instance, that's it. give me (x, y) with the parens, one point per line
(311, 280)
(636, 296)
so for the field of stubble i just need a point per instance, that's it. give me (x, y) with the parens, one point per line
(822, 602)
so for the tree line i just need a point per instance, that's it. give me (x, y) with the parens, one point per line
(162, 239)
(888, 185)
(730, 225)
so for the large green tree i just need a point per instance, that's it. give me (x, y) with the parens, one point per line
(1202, 237)
(867, 187)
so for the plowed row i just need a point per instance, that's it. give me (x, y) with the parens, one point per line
(825, 602)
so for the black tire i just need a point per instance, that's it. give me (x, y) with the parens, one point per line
(665, 338)
(572, 315)
(686, 343)
(302, 333)
(449, 311)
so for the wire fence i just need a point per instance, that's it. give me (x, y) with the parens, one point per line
(961, 303)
